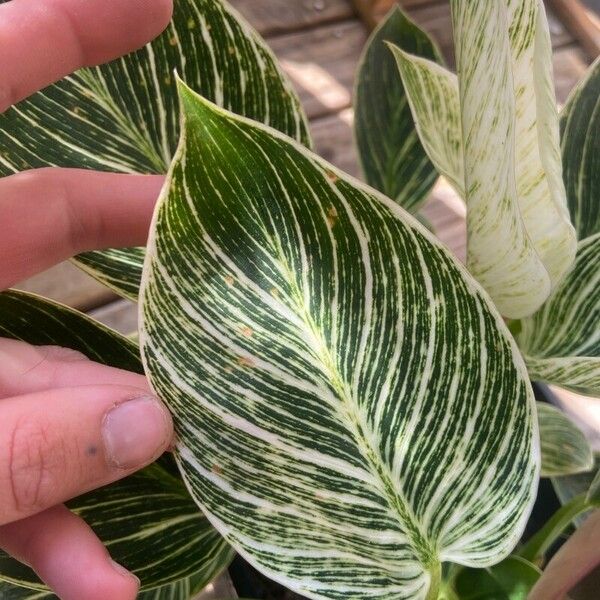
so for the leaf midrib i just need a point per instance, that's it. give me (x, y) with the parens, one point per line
(397, 502)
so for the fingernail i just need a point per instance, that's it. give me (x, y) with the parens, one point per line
(135, 432)
(123, 571)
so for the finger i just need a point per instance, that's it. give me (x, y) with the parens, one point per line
(44, 40)
(57, 444)
(25, 369)
(49, 215)
(67, 556)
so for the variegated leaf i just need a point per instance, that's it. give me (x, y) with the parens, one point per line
(580, 133)
(561, 342)
(340, 417)
(124, 116)
(494, 135)
(432, 93)
(148, 521)
(392, 157)
(565, 450)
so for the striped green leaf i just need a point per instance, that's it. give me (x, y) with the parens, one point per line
(493, 132)
(561, 342)
(148, 521)
(340, 418)
(565, 450)
(124, 116)
(392, 157)
(580, 134)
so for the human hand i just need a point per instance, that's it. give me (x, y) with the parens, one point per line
(68, 425)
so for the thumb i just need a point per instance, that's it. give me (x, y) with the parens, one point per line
(59, 443)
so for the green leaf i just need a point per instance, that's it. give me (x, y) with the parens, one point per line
(561, 342)
(493, 133)
(565, 450)
(340, 416)
(393, 160)
(124, 116)
(148, 521)
(511, 579)
(580, 132)
(571, 486)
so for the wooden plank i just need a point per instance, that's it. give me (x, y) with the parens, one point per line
(575, 17)
(68, 284)
(120, 315)
(321, 64)
(281, 16)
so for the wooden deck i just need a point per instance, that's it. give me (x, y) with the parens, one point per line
(319, 43)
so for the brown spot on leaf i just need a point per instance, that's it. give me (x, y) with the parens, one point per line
(331, 175)
(244, 361)
(247, 331)
(173, 41)
(216, 469)
(229, 280)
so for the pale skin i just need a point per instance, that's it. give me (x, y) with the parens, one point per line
(67, 424)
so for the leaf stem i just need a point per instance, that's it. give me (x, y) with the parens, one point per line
(538, 545)
(436, 580)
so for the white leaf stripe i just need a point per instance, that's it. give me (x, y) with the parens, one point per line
(392, 158)
(565, 451)
(148, 521)
(500, 253)
(124, 116)
(580, 132)
(561, 342)
(335, 421)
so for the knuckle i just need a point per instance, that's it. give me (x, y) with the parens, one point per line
(36, 462)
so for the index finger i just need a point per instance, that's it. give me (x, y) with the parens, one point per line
(45, 40)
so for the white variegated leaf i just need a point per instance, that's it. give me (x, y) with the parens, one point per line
(580, 132)
(565, 450)
(540, 188)
(494, 134)
(561, 342)
(340, 417)
(391, 155)
(124, 116)
(432, 93)
(147, 521)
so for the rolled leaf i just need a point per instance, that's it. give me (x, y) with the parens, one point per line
(565, 450)
(148, 521)
(561, 342)
(580, 134)
(432, 93)
(392, 157)
(540, 188)
(493, 133)
(124, 116)
(340, 418)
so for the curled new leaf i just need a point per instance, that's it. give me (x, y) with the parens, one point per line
(565, 451)
(339, 415)
(493, 132)
(124, 116)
